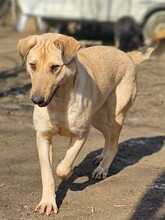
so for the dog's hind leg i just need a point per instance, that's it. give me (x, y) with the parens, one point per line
(110, 148)
(109, 120)
(103, 121)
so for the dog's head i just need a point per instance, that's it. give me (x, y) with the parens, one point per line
(48, 59)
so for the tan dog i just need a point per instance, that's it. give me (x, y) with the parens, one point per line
(73, 89)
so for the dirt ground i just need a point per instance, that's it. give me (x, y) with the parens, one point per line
(135, 187)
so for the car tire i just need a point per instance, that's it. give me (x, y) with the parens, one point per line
(152, 23)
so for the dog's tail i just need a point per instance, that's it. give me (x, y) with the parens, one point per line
(141, 55)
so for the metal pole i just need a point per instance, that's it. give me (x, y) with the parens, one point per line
(13, 11)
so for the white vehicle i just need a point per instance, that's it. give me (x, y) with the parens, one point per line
(148, 13)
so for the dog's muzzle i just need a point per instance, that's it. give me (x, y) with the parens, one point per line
(38, 100)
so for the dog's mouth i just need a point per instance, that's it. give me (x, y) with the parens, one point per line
(45, 103)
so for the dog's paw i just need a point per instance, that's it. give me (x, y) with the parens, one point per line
(47, 208)
(63, 171)
(98, 159)
(99, 173)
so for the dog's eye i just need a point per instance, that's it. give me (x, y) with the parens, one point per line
(54, 68)
(33, 66)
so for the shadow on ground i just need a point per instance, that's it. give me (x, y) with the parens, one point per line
(130, 152)
(13, 74)
(153, 202)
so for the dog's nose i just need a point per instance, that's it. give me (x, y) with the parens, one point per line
(38, 100)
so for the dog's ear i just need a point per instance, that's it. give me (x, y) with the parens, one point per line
(68, 46)
(25, 45)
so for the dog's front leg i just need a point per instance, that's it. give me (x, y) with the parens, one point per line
(64, 168)
(48, 204)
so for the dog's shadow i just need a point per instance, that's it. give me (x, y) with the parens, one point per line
(130, 152)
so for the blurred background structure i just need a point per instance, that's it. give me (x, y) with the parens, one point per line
(83, 19)
(9, 13)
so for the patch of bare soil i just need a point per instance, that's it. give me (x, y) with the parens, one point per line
(135, 187)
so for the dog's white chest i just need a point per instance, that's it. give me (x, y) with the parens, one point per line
(69, 117)
(62, 118)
